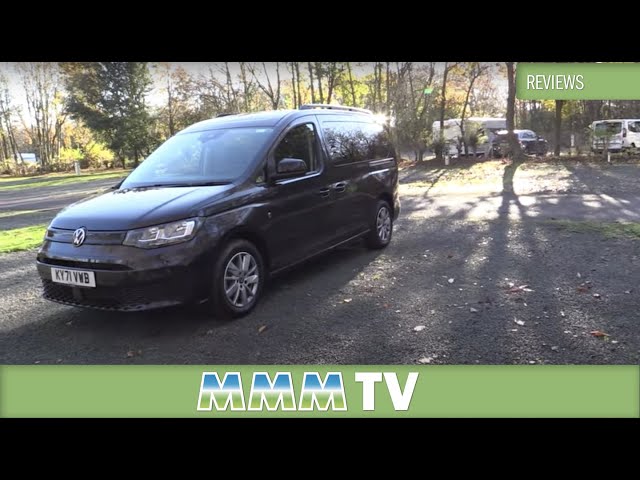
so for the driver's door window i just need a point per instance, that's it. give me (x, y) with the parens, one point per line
(300, 143)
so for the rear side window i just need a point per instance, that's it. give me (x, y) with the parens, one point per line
(608, 128)
(634, 127)
(350, 141)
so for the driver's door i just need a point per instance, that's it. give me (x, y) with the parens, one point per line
(299, 207)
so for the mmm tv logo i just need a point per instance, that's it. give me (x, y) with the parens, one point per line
(315, 392)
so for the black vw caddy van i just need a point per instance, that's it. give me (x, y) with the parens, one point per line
(221, 206)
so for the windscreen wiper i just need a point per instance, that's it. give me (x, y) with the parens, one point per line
(190, 184)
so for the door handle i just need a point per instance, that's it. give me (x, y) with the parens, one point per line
(324, 192)
(340, 187)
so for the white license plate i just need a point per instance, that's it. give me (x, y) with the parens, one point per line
(81, 278)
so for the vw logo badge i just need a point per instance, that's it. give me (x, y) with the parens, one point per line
(79, 236)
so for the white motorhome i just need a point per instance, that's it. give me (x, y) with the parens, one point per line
(484, 127)
(616, 134)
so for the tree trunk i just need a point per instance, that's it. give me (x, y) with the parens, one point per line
(443, 105)
(276, 102)
(245, 87)
(330, 80)
(297, 64)
(474, 77)
(293, 85)
(388, 88)
(319, 77)
(172, 128)
(351, 85)
(514, 145)
(558, 127)
(313, 93)
(379, 84)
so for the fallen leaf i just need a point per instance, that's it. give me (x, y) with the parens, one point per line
(262, 328)
(555, 348)
(598, 333)
(627, 292)
(451, 280)
(596, 295)
(513, 330)
(562, 314)
(473, 310)
(398, 311)
(532, 362)
(519, 322)
(582, 289)
(578, 275)
(614, 341)
(347, 300)
(60, 360)
(69, 323)
(131, 354)
(209, 332)
(519, 289)
(567, 331)
(37, 362)
(419, 328)
(425, 360)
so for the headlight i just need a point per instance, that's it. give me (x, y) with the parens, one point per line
(161, 235)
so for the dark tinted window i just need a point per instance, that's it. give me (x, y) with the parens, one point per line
(634, 127)
(299, 142)
(350, 141)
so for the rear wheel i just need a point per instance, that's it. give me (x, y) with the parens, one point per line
(238, 280)
(381, 226)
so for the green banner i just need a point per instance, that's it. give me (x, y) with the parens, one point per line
(578, 81)
(319, 391)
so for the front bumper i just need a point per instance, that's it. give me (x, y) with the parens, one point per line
(127, 278)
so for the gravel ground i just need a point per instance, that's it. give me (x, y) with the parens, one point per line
(355, 306)
(444, 292)
(531, 177)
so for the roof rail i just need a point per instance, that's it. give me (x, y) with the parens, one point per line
(225, 114)
(310, 106)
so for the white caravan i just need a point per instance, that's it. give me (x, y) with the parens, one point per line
(484, 127)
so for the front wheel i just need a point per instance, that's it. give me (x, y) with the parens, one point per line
(381, 226)
(238, 280)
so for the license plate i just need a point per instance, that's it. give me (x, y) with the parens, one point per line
(80, 278)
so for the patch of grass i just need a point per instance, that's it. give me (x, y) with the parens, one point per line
(15, 213)
(20, 239)
(53, 180)
(607, 229)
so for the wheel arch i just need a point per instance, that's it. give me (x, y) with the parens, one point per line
(242, 233)
(386, 196)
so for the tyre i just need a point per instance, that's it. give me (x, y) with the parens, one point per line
(381, 226)
(238, 280)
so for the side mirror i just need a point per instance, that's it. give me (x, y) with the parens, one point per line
(290, 167)
(117, 185)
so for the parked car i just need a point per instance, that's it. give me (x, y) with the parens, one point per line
(221, 206)
(530, 143)
(615, 135)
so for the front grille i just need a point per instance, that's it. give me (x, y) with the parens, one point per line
(93, 237)
(129, 298)
(114, 267)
